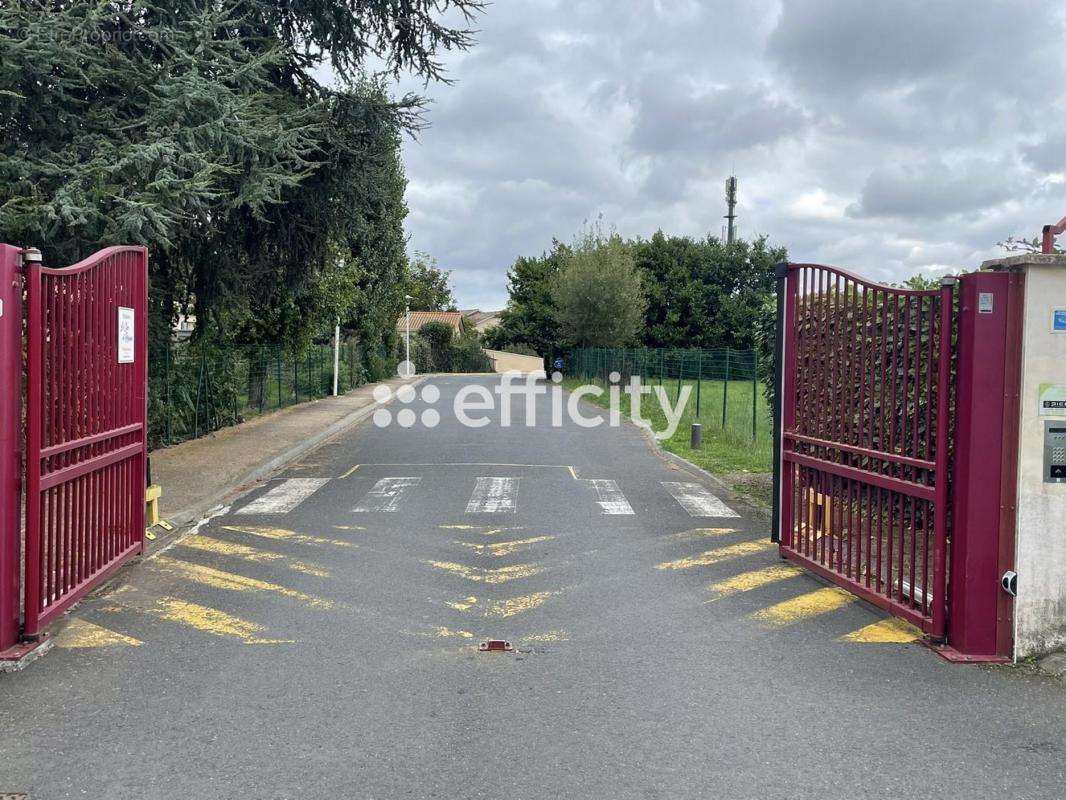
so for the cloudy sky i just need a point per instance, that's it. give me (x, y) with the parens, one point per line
(888, 137)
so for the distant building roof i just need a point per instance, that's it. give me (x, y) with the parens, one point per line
(420, 318)
(482, 319)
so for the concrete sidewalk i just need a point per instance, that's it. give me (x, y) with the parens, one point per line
(200, 474)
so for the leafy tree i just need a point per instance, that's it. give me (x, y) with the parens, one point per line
(198, 127)
(704, 293)
(700, 292)
(427, 285)
(529, 319)
(598, 297)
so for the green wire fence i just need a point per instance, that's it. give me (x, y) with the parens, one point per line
(725, 388)
(197, 388)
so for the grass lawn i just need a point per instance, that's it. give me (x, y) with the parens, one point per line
(731, 452)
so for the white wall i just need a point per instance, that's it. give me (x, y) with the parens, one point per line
(1040, 608)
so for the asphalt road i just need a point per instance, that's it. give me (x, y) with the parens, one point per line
(307, 649)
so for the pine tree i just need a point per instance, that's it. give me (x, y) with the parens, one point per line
(198, 128)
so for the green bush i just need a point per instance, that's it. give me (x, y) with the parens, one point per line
(436, 348)
(439, 339)
(468, 356)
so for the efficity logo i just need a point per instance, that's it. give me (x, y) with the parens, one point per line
(477, 405)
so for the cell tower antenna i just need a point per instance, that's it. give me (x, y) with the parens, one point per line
(731, 204)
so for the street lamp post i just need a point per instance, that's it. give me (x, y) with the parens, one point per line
(407, 337)
(336, 356)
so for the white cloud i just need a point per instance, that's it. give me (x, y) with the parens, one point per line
(888, 138)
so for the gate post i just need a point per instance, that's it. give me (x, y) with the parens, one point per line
(980, 620)
(10, 442)
(784, 341)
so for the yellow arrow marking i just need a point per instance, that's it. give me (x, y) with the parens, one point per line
(211, 620)
(233, 582)
(821, 601)
(548, 636)
(501, 575)
(709, 557)
(81, 633)
(747, 581)
(504, 548)
(443, 633)
(219, 547)
(698, 532)
(481, 529)
(887, 631)
(280, 534)
(518, 605)
(464, 604)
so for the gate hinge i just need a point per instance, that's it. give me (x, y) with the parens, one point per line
(30, 255)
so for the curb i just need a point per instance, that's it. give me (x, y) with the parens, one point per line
(196, 511)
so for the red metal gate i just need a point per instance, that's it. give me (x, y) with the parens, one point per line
(85, 418)
(864, 443)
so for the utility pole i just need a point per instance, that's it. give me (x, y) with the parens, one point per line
(731, 203)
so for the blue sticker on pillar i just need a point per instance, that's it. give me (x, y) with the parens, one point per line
(1058, 320)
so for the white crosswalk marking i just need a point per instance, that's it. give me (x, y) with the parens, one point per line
(386, 495)
(493, 495)
(612, 501)
(697, 501)
(285, 497)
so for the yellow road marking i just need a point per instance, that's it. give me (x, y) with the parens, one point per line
(518, 605)
(505, 548)
(698, 532)
(497, 531)
(211, 620)
(501, 575)
(887, 631)
(233, 582)
(464, 604)
(747, 581)
(349, 528)
(820, 601)
(709, 557)
(349, 473)
(481, 529)
(443, 633)
(80, 634)
(548, 636)
(281, 534)
(219, 547)
(573, 473)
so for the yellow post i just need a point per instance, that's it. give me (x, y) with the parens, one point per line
(151, 501)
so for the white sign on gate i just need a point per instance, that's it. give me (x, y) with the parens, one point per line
(126, 336)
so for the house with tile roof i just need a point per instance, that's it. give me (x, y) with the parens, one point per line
(419, 318)
(482, 320)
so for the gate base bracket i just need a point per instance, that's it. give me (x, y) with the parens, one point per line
(949, 653)
(18, 656)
